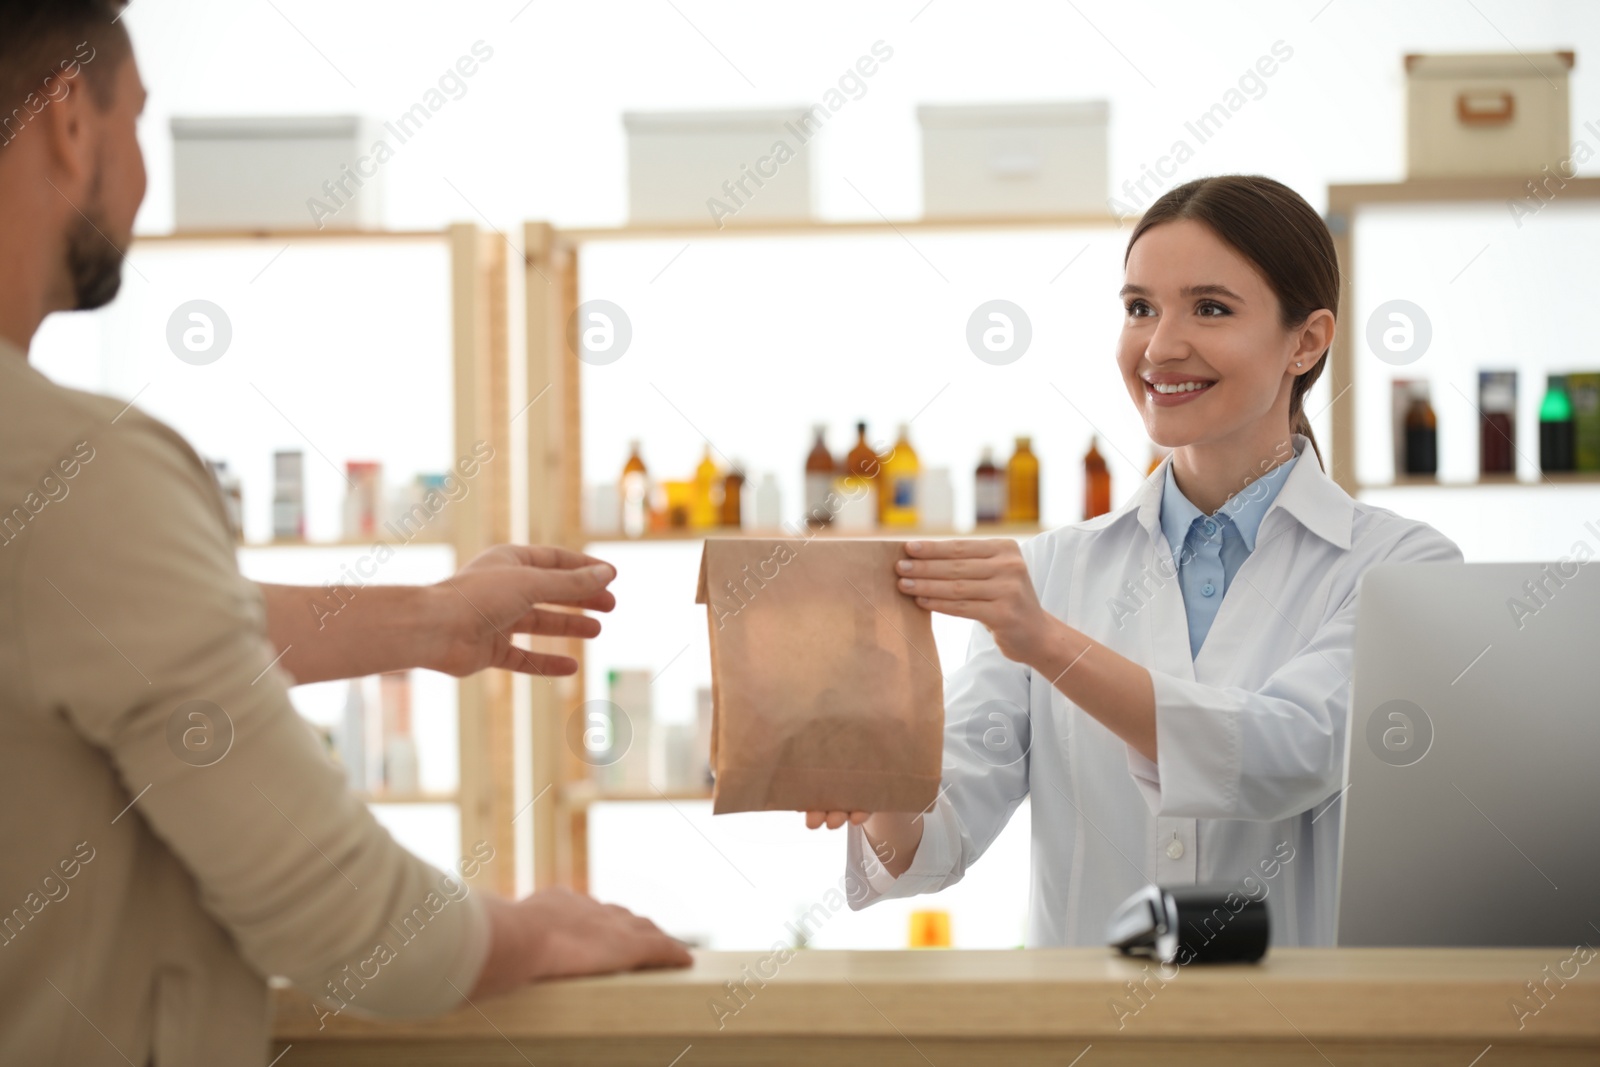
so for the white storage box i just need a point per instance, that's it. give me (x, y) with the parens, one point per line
(1014, 159)
(1486, 114)
(310, 172)
(720, 168)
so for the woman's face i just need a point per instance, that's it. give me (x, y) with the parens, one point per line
(1202, 351)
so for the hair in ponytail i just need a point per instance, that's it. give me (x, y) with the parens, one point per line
(1273, 227)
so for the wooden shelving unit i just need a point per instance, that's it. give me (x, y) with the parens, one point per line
(1344, 203)
(561, 782)
(480, 411)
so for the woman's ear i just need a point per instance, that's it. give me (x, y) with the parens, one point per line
(1313, 338)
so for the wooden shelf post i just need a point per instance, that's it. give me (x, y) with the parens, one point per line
(482, 518)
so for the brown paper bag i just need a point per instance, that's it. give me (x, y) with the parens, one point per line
(825, 684)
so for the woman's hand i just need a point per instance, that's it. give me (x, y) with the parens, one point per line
(510, 589)
(835, 819)
(892, 835)
(985, 580)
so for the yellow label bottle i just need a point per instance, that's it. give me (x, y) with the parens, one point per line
(706, 507)
(899, 482)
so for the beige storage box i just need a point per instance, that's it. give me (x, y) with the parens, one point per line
(1487, 114)
(265, 173)
(989, 160)
(720, 168)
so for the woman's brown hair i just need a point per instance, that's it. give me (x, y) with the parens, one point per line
(1273, 227)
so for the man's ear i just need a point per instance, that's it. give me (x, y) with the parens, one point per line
(67, 130)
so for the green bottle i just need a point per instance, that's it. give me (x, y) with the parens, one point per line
(1556, 452)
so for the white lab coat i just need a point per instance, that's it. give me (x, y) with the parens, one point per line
(1250, 733)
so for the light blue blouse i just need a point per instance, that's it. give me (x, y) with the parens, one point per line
(1209, 549)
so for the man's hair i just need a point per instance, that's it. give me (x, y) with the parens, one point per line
(39, 39)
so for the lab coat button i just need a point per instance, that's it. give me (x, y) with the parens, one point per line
(1207, 589)
(1175, 849)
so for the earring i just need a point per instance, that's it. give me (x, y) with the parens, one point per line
(1298, 363)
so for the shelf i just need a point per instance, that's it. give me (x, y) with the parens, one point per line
(408, 798)
(1342, 198)
(347, 542)
(1548, 480)
(820, 228)
(582, 794)
(908, 533)
(271, 234)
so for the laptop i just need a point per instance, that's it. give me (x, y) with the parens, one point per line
(1472, 814)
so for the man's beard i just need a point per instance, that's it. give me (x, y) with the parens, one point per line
(94, 263)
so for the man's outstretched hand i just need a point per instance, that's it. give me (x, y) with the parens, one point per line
(517, 589)
(556, 933)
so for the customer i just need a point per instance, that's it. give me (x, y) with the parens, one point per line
(144, 899)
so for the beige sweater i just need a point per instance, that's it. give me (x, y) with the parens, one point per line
(153, 871)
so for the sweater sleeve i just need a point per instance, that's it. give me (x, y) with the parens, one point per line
(145, 638)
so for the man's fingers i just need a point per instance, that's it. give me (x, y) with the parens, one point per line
(546, 586)
(656, 949)
(550, 557)
(556, 624)
(604, 600)
(541, 663)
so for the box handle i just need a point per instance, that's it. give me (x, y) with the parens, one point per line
(1485, 108)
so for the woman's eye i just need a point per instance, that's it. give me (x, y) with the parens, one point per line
(1211, 309)
(1137, 308)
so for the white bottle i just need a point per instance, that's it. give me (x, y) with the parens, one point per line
(769, 504)
(353, 737)
(937, 497)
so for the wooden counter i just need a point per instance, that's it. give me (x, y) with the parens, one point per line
(1058, 1006)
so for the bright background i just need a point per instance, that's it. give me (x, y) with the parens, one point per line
(750, 342)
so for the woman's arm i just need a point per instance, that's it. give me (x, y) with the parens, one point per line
(988, 581)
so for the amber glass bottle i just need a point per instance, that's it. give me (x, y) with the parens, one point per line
(862, 463)
(989, 489)
(733, 495)
(1096, 482)
(1022, 484)
(820, 471)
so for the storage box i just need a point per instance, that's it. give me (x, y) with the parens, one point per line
(309, 172)
(1014, 159)
(720, 168)
(1486, 114)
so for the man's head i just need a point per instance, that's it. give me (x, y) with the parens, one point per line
(70, 164)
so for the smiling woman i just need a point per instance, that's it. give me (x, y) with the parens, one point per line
(1168, 723)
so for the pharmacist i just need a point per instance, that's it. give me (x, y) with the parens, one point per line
(1168, 683)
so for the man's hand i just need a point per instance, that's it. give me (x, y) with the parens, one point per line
(516, 589)
(556, 933)
(985, 580)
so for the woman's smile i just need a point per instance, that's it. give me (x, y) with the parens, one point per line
(1170, 390)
